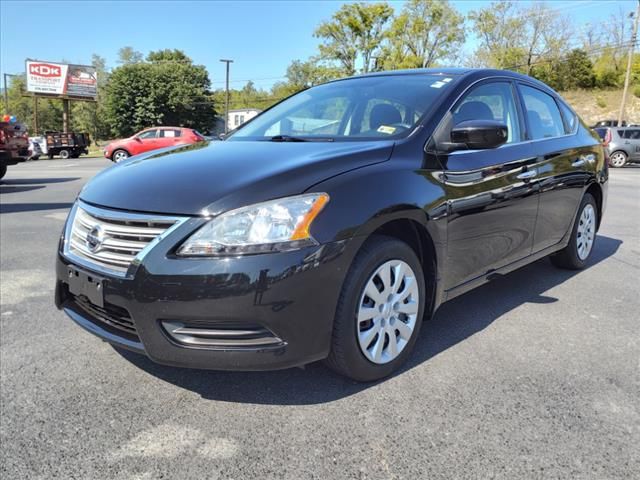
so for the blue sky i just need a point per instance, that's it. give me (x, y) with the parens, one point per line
(261, 36)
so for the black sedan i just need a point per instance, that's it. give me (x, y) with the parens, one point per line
(331, 225)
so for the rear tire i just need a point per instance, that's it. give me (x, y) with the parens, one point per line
(576, 254)
(365, 326)
(64, 154)
(618, 159)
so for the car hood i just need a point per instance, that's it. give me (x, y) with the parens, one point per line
(117, 142)
(207, 178)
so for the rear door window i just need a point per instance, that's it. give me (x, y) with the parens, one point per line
(542, 114)
(169, 133)
(631, 134)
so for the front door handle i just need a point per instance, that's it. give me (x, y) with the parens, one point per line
(578, 163)
(527, 175)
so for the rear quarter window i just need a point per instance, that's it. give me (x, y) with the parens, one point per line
(570, 118)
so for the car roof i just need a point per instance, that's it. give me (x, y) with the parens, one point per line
(471, 73)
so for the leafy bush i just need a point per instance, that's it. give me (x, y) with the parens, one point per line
(600, 102)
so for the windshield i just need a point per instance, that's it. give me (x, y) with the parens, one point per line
(366, 108)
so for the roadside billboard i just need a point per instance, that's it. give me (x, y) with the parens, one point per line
(61, 79)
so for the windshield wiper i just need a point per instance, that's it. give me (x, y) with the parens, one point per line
(289, 138)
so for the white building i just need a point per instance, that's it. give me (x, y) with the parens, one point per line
(238, 117)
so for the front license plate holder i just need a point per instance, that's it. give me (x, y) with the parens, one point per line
(86, 284)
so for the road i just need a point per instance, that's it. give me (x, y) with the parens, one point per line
(536, 375)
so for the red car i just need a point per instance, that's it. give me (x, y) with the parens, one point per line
(151, 139)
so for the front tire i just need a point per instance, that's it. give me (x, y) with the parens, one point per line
(379, 312)
(576, 254)
(64, 154)
(119, 156)
(618, 159)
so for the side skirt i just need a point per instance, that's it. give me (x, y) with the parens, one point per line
(493, 274)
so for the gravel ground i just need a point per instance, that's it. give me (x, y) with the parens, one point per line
(536, 375)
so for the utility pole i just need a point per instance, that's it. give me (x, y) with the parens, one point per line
(65, 115)
(6, 93)
(226, 107)
(35, 115)
(627, 77)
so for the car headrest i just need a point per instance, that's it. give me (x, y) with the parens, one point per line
(384, 114)
(535, 124)
(473, 111)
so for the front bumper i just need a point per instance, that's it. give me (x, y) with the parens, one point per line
(13, 157)
(291, 295)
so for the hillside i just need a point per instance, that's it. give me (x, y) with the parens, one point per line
(594, 105)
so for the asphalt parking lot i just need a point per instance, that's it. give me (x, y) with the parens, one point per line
(536, 375)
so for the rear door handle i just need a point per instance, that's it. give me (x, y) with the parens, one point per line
(527, 175)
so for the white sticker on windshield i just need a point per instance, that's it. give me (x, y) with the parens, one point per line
(437, 84)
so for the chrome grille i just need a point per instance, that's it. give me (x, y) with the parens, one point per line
(110, 240)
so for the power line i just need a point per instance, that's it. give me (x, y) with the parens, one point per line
(613, 46)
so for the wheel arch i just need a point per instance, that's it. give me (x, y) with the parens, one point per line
(117, 149)
(416, 235)
(622, 151)
(596, 192)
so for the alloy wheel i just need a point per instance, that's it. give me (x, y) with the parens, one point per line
(388, 311)
(120, 156)
(618, 159)
(586, 231)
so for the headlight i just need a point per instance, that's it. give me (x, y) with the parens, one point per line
(274, 226)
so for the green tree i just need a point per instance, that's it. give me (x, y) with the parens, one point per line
(579, 70)
(302, 75)
(168, 55)
(127, 55)
(573, 71)
(141, 95)
(545, 35)
(425, 32)
(499, 29)
(517, 38)
(355, 32)
(49, 110)
(89, 116)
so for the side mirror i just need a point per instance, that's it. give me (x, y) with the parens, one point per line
(137, 139)
(477, 135)
(222, 136)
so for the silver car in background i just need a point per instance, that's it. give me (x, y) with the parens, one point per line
(621, 143)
